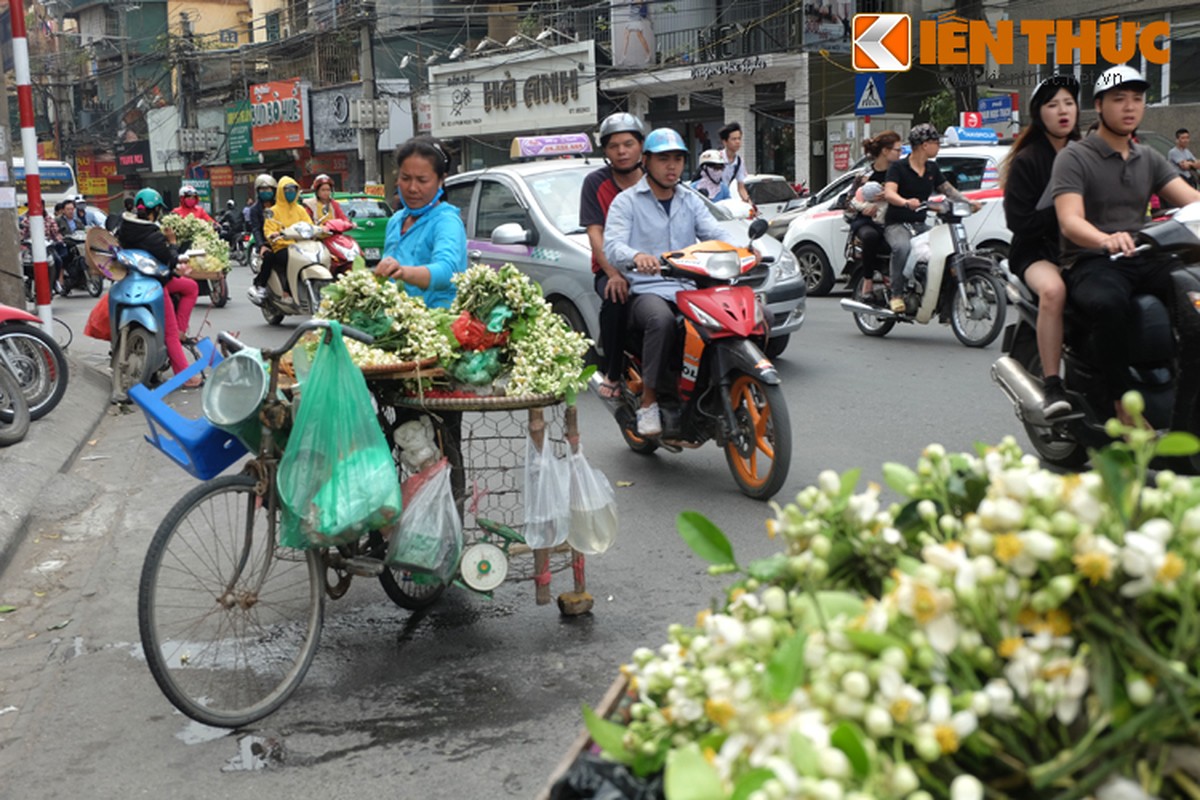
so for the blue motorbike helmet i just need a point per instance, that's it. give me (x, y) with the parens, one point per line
(664, 140)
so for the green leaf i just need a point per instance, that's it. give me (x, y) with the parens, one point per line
(804, 755)
(1177, 443)
(1116, 470)
(705, 538)
(786, 668)
(874, 643)
(848, 738)
(7, 609)
(849, 481)
(899, 478)
(689, 776)
(768, 569)
(833, 604)
(750, 782)
(608, 736)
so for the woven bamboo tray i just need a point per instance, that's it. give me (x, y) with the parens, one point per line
(425, 368)
(206, 275)
(498, 403)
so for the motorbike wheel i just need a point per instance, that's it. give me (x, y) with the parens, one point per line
(229, 620)
(95, 284)
(776, 345)
(636, 443)
(978, 320)
(272, 315)
(868, 324)
(312, 291)
(218, 293)
(1053, 449)
(38, 364)
(14, 411)
(761, 459)
(134, 361)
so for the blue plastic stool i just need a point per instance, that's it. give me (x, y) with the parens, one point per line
(200, 447)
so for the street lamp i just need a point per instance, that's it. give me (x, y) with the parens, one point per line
(457, 53)
(404, 62)
(485, 43)
(548, 32)
(517, 38)
(432, 58)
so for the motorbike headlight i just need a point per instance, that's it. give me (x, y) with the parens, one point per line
(960, 208)
(724, 266)
(789, 268)
(304, 230)
(1194, 299)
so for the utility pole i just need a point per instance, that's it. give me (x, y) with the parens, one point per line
(126, 73)
(366, 68)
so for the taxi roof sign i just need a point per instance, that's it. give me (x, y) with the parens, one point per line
(960, 135)
(554, 146)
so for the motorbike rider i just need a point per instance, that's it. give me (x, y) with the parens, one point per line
(884, 151)
(189, 205)
(140, 231)
(321, 206)
(55, 246)
(1096, 221)
(71, 267)
(1034, 253)
(621, 136)
(644, 221)
(710, 181)
(92, 216)
(908, 184)
(264, 192)
(287, 211)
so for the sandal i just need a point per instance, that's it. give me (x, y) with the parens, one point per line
(194, 382)
(609, 390)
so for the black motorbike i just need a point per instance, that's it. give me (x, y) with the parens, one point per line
(75, 274)
(1165, 368)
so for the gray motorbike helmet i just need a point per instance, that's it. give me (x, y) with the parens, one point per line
(620, 122)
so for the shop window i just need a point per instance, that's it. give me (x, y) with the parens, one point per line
(497, 206)
(1185, 57)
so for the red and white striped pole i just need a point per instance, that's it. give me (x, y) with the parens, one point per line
(33, 180)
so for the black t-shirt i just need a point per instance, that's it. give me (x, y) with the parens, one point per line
(910, 184)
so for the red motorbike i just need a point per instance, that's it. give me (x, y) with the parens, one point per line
(344, 252)
(727, 390)
(34, 358)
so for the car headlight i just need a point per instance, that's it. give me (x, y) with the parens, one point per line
(789, 268)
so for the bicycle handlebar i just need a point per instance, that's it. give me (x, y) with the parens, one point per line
(231, 344)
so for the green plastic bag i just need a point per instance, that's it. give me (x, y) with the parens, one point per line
(336, 480)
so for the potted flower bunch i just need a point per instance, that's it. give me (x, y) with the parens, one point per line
(1001, 631)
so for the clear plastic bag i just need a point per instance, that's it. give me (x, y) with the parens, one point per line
(336, 480)
(547, 496)
(593, 526)
(429, 537)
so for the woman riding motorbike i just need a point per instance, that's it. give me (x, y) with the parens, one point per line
(709, 181)
(140, 231)
(321, 206)
(189, 205)
(885, 150)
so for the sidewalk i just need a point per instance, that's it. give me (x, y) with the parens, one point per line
(29, 468)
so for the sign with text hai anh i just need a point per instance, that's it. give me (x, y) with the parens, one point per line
(884, 42)
(277, 115)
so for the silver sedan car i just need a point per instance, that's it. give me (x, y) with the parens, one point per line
(528, 214)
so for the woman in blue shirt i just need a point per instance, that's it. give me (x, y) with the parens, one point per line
(426, 242)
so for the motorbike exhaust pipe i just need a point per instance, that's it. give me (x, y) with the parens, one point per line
(856, 307)
(1020, 387)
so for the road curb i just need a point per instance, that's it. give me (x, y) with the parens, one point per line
(50, 448)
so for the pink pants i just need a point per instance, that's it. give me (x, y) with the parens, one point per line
(178, 319)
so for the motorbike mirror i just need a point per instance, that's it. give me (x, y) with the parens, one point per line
(1189, 214)
(758, 228)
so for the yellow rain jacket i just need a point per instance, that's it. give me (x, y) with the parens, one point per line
(283, 214)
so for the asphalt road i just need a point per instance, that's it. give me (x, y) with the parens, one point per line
(476, 699)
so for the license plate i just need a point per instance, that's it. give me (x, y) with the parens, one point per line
(372, 254)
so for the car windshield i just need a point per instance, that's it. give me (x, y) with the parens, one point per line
(365, 208)
(770, 191)
(557, 193)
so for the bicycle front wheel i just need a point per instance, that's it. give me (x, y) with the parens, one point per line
(229, 620)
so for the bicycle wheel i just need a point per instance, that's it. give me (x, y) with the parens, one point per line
(229, 621)
(38, 363)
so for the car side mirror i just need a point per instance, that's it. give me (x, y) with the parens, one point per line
(353, 213)
(513, 233)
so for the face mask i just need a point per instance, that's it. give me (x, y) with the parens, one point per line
(266, 195)
(190, 202)
(416, 212)
(290, 195)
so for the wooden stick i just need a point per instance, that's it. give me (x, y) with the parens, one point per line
(541, 556)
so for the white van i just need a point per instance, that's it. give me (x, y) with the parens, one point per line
(58, 183)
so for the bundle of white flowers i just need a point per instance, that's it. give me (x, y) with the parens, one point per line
(196, 234)
(1003, 631)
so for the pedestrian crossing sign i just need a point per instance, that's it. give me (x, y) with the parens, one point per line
(868, 93)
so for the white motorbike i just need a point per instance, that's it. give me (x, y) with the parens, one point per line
(308, 272)
(945, 277)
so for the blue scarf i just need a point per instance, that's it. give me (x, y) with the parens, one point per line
(417, 212)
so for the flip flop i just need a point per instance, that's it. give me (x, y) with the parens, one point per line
(609, 390)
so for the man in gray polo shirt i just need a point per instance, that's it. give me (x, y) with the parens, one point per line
(1101, 187)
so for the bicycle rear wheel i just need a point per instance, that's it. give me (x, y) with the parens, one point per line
(229, 621)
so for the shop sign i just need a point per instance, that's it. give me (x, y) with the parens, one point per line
(841, 157)
(331, 126)
(277, 115)
(238, 131)
(90, 185)
(89, 165)
(221, 176)
(524, 92)
(743, 66)
(133, 157)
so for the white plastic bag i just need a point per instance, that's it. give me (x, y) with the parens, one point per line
(429, 538)
(547, 497)
(593, 508)
(917, 253)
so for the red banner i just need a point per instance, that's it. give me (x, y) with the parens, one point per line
(277, 115)
(221, 176)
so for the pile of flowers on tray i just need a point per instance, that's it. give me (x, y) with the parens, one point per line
(196, 234)
(500, 336)
(1002, 631)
